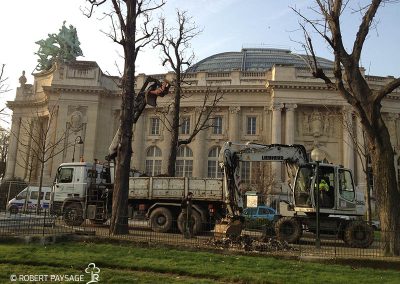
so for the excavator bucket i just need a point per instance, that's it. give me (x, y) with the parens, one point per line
(228, 228)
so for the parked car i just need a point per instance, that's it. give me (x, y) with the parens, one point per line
(260, 212)
(29, 197)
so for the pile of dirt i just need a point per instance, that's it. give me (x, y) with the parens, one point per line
(249, 243)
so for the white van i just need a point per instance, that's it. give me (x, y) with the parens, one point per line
(29, 196)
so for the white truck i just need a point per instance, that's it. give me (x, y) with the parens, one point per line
(83, 191)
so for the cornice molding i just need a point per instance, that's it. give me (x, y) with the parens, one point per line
(27, 103)
(270, 85)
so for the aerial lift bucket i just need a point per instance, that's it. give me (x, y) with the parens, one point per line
(228, 228)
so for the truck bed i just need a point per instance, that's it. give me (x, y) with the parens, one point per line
(175, 188)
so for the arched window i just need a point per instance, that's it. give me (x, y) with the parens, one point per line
(184, 162)
(153, 161)
(213, 169)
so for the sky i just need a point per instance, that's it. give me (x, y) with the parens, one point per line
(227, 25)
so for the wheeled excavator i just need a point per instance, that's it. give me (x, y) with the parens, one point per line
(340, 206)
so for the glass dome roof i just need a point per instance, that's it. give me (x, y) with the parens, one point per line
(254, 59)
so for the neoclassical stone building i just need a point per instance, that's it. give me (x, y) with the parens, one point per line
(269, 96)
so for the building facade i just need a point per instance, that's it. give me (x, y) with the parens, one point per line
(269, 97)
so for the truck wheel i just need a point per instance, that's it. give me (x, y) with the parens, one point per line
(73, 214)
(358, 234)
(161, 220)
(288, 229)
(13, 209)
(196, 221)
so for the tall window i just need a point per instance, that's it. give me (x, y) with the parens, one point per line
(153, 161)
(217, 129)
(214, 170)
(184, 162)
(185, 127)
(251, 125)
(245, 174)
(154, 126)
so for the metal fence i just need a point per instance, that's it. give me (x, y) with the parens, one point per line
(255, 237)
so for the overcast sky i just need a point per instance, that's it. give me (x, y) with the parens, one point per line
(228, 25)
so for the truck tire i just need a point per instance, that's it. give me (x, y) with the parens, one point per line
(13, 209)
(288, 229)
(73, 214)
(358, 234)
(196, 221)
(161, 220)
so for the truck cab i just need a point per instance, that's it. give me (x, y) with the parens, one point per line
(72, 182)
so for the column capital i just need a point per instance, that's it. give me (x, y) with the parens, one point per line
(234, 109)
(348, 108)
(277, 106)
(391, 116)
(290, 106)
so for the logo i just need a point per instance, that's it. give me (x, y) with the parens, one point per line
(94, 273)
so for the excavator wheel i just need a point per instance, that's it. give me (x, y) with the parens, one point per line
(358, 234)
(288, 229)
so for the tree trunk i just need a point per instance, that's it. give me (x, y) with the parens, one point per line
(386, 190)
(119, 218)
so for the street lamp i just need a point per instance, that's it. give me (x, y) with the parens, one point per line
(78, 140)
(317, 156)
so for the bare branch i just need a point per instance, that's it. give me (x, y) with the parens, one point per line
(364, 29)
(387, 89)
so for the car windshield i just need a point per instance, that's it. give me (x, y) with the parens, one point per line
(250, 211)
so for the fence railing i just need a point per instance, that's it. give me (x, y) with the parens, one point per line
(255, 236)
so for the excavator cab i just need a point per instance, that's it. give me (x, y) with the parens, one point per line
(334, 187)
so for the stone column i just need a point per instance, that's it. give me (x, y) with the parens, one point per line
(234, 124)
(200, 151)
(276, 137)
(289, 131)
(50, 138)
(138, 147)
(166, 137)
(360, 161)
(13, 147)
(348, 138)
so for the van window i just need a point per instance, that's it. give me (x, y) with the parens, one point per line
(64, 175)
(21, 195)
(47, 196)
(34, 195)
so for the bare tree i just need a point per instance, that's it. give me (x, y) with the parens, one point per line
(4, 142)
(366, 101)
(359, 141)
(175, 46)
(263, 180)
(3, 85)
(38, 143)
(126, 17)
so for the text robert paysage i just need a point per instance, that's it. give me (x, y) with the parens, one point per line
(92, 270)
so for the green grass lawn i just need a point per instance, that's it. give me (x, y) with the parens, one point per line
(130, 263)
